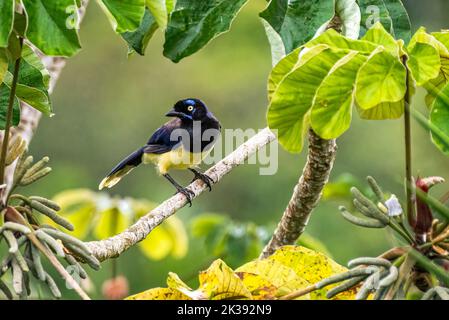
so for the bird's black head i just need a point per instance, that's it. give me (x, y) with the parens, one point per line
(189, 109)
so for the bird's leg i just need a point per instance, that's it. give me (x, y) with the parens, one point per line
(203, 177)
(188, 193)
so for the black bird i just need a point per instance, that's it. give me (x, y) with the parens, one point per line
(181, 143)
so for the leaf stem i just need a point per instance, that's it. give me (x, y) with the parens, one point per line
(402, 233)
(9, 113)
(299, 293)
(408, 147)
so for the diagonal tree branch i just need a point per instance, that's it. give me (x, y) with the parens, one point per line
(29, 117)
(306, 193)
(116, 245)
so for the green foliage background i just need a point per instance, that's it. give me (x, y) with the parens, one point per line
(106, 105)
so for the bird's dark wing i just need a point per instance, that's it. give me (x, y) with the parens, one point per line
(160, 141)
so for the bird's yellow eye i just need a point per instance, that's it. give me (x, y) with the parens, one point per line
(190, 108)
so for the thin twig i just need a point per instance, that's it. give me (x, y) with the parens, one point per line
(299, 293)
(9, 112)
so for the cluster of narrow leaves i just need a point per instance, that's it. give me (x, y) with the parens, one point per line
(98, 214)
(376, 275)
(27, 239)
(369, 74)
(424, 234)
(289, 269)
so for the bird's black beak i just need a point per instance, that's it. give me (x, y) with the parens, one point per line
(173, 113)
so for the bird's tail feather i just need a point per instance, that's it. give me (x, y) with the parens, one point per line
(122, 169)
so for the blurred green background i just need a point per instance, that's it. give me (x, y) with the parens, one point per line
(107, 105)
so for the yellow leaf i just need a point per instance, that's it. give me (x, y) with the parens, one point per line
(178, 233)
(158, 244)
(111, 222)
(81, 219)
(218, 282)
(72, 197)
(159, 294)
(77, 206)
(260, 288)
(310, 265)
(168, 238)
(281, 276)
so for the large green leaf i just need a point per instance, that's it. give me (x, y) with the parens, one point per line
(424, 63)
(194, 23)
(436, 85)
(276, 44)
(439, 118)
(4, 102)
(49, 27)
(335, 40)
(382, 78)
(6, 21)
(378, 35)
(374, 11)
(390, 13)
(32, 82)
(160, 9)
(383, 111)
(440, 41)
(282, 68)
(332, 107)
(443, 37)
(138, 40)
(124, 15)
(34, 96)
(421, 36)
(35, 66)
(3, 63)
(292, 100)
(400, 19)
(296, 21)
